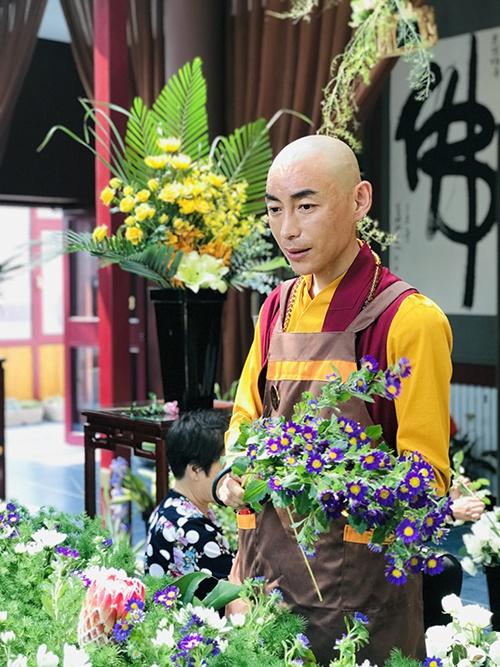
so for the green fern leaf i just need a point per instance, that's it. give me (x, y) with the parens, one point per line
(140, 141)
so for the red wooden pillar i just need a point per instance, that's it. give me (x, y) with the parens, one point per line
(111, 84)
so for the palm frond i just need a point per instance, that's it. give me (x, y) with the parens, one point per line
(140, 140)
(158, 263)
(181, 109)
(246, 155)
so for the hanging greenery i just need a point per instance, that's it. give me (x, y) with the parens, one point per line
(382, 28)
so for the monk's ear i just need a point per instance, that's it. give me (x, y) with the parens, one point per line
(362, 199)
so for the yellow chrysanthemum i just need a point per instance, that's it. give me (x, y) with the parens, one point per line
(128, 190)
(134, 235)
(201, 205)
(107, 196)
(180, 161)
(186, 206)
(130, 220)
(169, 192)
(144, 211)
(143, 195)
(163, 218)
(216, 180)
(115, 183)
(153, 184)
(157, 161)
(127, 204)
(100, 233)
(169, 144)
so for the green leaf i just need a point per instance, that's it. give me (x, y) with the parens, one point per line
(246, 155)
(188, 584)
(374, 432)
(223, 593)
(302, 503)
(255, 491)
(140, 141)
(181, 109)
(240, 465)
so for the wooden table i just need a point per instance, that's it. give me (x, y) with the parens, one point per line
(124, 435)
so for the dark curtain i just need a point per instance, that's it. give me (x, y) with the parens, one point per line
(275, 64)
(145, 41)
(19, 24)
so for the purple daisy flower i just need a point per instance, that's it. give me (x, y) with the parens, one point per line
(384, 496)
(166, 596)
(134, 603)
(360, 386)
(291, 428)
(433, 662)
(361, 618)
(285, 441)
(370, 363)
(408, 531)
(273, 447)
(363, 439)
(374, 517)
(434, 565)
(333, 377)
(315, 463)
(404, 367)
(291, 459)
(309, 433)
(122, 630)
(349, 426)
(374, 460)
(68, 552)
(274, 484)
(303, 640)
(415, 564)
(415, 483)
(392, 385)
(333, 455)
(107, 543)
(403, 492)
(373, 546)
(190, 641)
(357, 490)
(395, 575)
(252, 451)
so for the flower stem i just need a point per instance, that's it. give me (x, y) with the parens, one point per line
(308, 567)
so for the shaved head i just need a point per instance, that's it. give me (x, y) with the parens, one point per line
(332, 156)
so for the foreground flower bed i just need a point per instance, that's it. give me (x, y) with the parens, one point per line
(69, 596)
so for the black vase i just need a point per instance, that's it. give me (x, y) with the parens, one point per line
(188, 327)
(493, 580)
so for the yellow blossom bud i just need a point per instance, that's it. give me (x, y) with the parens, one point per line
(107, 196)
(127, 204)
(144, 211)
(153, 184)
(163, 218)
(100, 233)
(142, 195)
(169, 193)
(157, 161)
(180, 161)
(169, 144)
(134, 235)
(128, 190)
(130, 220)
(115, 183)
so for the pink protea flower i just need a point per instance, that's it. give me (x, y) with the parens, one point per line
(104, 604)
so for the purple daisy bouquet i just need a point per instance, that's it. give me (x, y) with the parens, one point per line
(321, 469)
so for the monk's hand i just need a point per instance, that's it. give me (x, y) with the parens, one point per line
(230, 491)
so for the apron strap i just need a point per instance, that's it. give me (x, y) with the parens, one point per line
(379, 304)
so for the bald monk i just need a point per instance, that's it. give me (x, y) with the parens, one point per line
(342, 306)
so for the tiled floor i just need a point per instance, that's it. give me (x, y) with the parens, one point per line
(42, 470)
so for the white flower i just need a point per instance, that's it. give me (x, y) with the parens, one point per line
(20, 661)
(75, 657)
(164, 638)
(48, 538)
(438, 639)
(201, 272)
(451, 603)
(473, 614)
(45, 658)
(223, 643)
(495, 652)
(464, 663)
(468, 566)
(475, 654)
(7, 636)
(237, 619)
(210, 617)
(367, 663)
(3, 616)
(20, 548)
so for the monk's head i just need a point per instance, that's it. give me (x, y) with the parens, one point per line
(315, 197)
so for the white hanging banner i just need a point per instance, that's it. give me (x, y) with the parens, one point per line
(443, 171)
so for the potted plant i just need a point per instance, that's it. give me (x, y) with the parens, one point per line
(189, 221)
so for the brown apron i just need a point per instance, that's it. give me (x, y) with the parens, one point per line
(350, 577)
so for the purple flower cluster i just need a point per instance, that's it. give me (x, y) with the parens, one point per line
(9, 519)
(67, 552)
(122, 629)
(167, 596)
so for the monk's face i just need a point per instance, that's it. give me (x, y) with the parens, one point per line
(313, 218)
